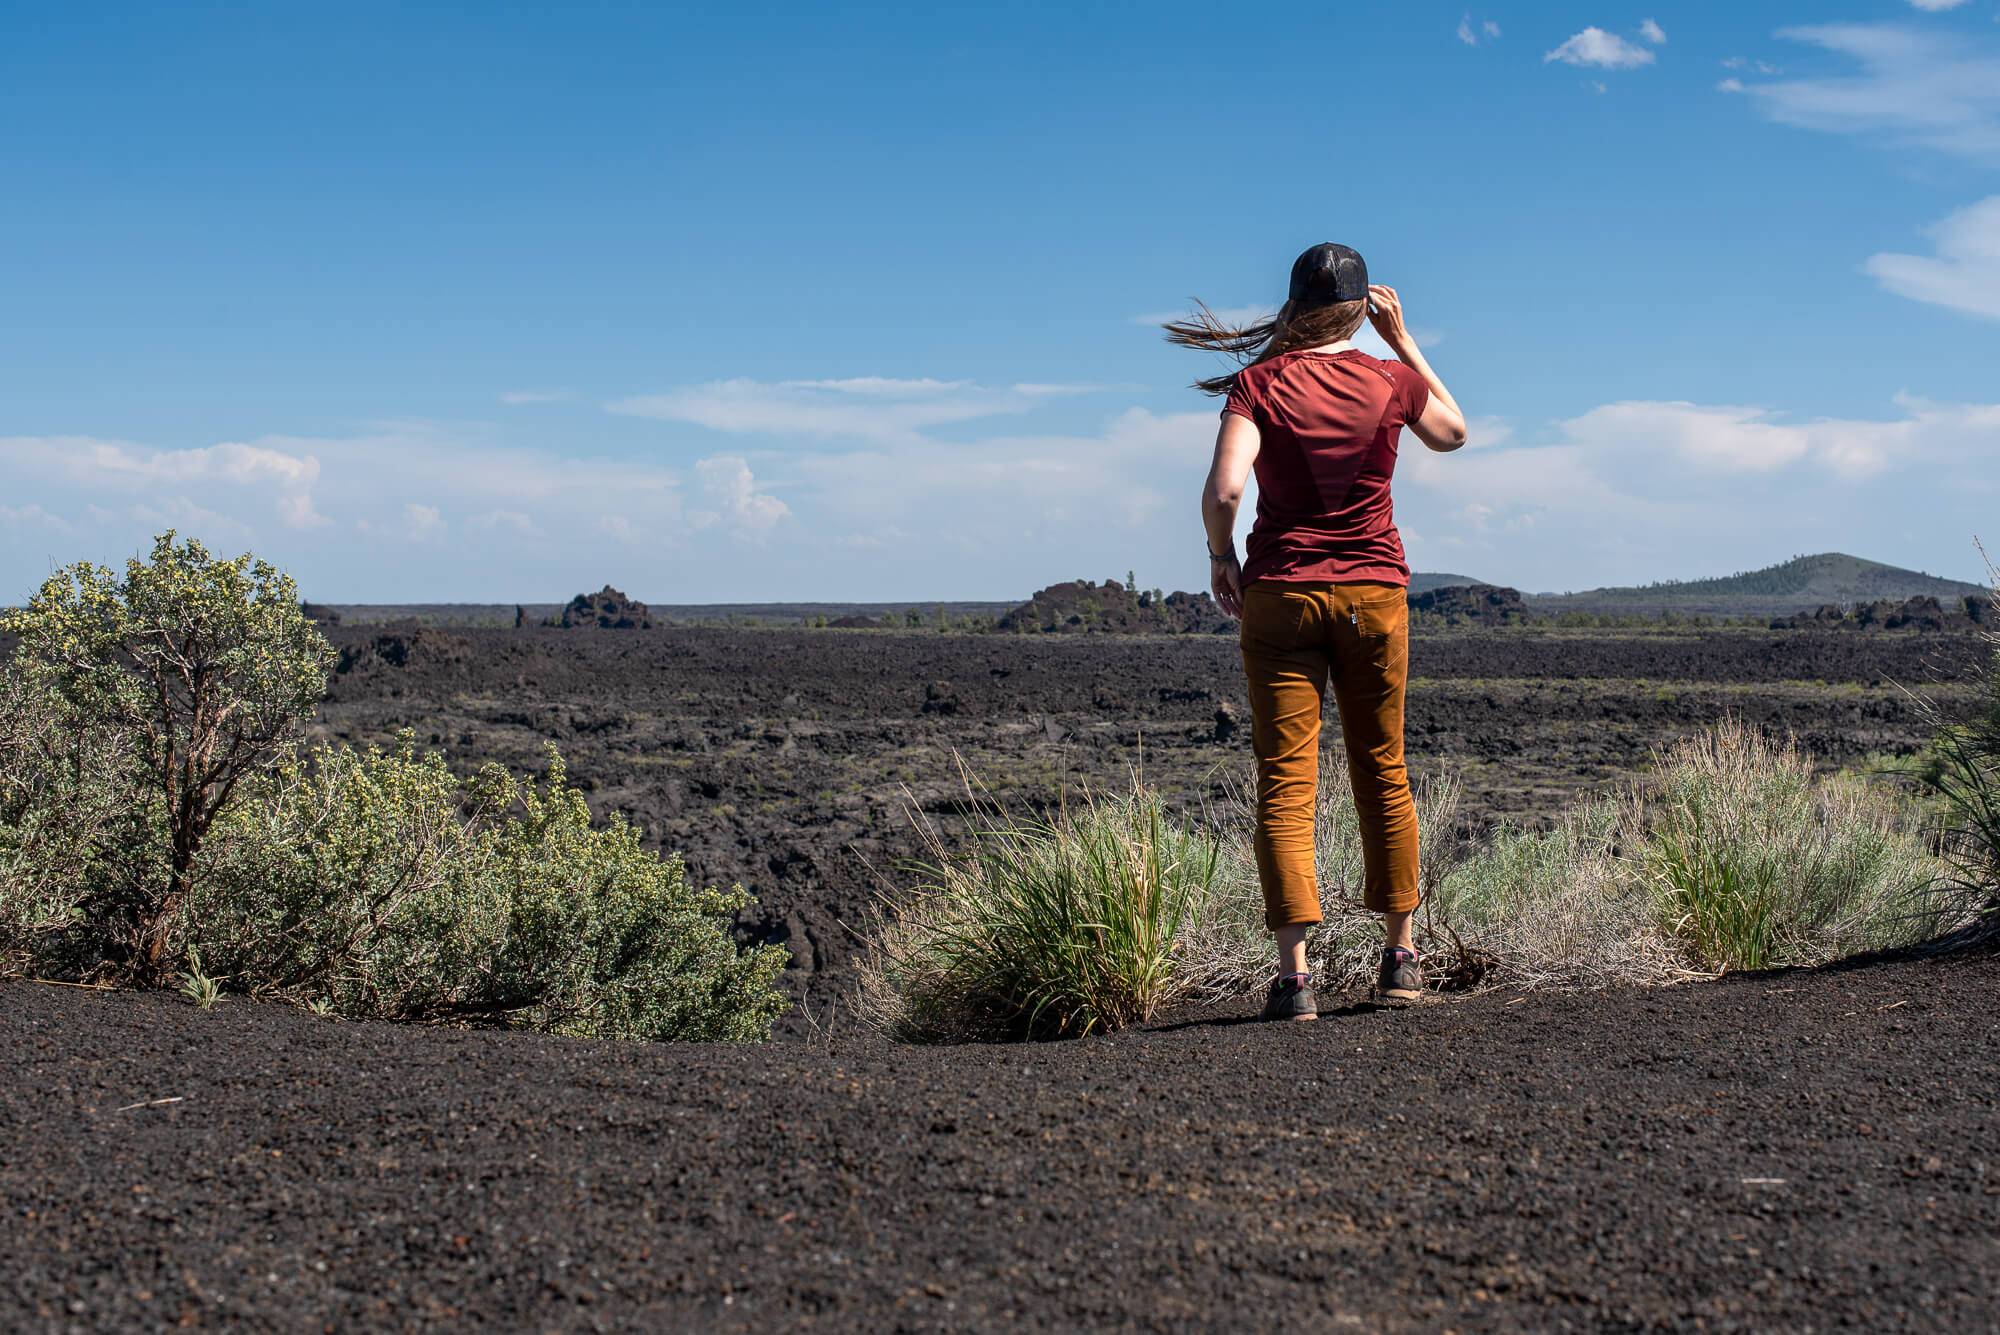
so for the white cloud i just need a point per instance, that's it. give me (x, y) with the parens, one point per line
(1964, 274)
(303, 501)
(1936, 6)
(297, 510)
(178, 512)
(423, 523)
(1730, 85)
(728, 484)
(1653, 32)
(512, 520)
(27, 516)
(283, 479)
(1622, 491)
(1627, 490)
(1473, 33)
(1913, 87)
(1078, 491)
(859, 408)
(1600, 49)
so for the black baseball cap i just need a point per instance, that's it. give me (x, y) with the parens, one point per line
(1328, 273)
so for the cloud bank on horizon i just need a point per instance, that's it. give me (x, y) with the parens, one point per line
(884, 426)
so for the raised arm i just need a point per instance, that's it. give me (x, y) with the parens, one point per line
(1442, 426)
(1236, 447)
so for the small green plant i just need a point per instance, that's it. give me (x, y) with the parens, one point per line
(1049, 928)
(197, 986)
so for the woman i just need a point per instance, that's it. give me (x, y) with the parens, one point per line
(1322, 593)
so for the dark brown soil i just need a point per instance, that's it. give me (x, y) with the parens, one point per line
(778, 757)
(1796, 1151)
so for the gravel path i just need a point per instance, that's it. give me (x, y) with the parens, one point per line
(1798, 1151)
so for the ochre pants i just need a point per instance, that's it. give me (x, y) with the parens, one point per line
(1297, 638)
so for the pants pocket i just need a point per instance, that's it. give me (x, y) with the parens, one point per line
(1379, 620)
(1274, 618)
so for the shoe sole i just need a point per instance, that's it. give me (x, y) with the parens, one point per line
(1397, 997)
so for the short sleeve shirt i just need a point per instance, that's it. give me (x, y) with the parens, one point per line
(1329, 425)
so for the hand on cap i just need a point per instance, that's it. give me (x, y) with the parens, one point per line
(1385, 312)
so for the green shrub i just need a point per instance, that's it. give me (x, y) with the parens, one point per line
(1963, 772)
(378, 884)
(1048, 928)
(1757, 862)
(192, 673)
(606, 939)
(157, 821)
(71, 828)
(356, 878)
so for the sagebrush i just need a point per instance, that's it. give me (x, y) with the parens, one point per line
(160, 820)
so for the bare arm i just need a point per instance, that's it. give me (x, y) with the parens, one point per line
(1236, 446)
(1442, 426)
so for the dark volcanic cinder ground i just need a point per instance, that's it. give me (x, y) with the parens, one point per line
(1800, 1151)
(776, 757)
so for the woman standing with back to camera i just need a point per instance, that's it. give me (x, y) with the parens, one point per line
(1323, 591)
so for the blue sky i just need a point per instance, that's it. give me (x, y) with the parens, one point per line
(849, 302)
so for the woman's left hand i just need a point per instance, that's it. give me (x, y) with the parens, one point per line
(1225, 581)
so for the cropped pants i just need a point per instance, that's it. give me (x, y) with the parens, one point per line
(1296, 639)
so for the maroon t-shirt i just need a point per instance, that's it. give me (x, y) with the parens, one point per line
(1328, 422)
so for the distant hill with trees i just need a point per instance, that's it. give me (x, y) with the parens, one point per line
(1801, 584)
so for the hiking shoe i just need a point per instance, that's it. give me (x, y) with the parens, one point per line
(1401, 980)
(1291, 999)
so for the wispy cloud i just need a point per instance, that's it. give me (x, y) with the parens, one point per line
(1653, 32)
(1914, 87)
(1936, 6)
(1963, 274)
(858, 408)
(1472, 34)
(1595, 48)
(423, 523)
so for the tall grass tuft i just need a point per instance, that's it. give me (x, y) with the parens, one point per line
(1053, 927)
(1757, 862)
(1962, 773)
(1559, 908)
